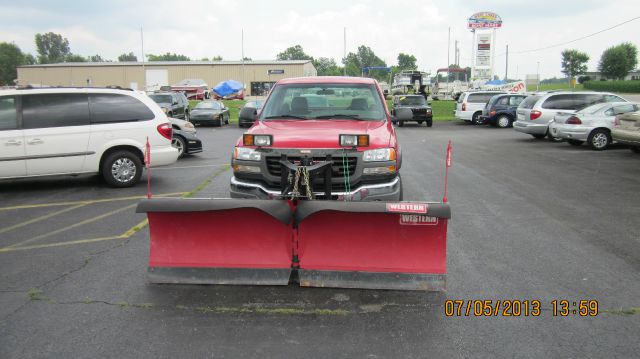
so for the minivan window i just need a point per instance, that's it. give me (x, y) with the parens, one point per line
(515, 100)
(529, 102)
(54, 110)
(480, 97)
(8, 117)
(559, 102)
(106, 108)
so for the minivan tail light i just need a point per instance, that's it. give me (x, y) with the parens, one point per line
(573, 120)
(165, 130)
(534, 115)
(464, 106)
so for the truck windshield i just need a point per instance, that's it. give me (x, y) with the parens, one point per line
(412, 101)
(324, 102)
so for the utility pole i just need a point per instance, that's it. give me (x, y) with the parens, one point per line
(344, 52)
(144, 73)
(506, 66)
(242, 51)
(448, 63)
(538, 77)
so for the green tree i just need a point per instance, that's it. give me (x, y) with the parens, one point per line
(128, 57)
(96, 58)
(52, 48)
(364, 57)
(217, 58)
(74, 58)
(574, 62)
(293, 53)
(406, 62)
(327, 67)
(10, 58)
(168, 57)
(617, 61)
(204, 59)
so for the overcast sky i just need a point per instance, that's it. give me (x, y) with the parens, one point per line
(208, 28)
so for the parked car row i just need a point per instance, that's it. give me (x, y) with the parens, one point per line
(595, 118)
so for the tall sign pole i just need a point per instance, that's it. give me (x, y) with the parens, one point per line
(144, 73)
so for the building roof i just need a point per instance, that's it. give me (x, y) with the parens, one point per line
(170, 63)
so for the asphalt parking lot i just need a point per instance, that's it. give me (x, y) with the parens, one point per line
(531, 220)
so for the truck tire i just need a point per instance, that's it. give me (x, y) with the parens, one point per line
(400, 123)
(121, 169)
(429, 122)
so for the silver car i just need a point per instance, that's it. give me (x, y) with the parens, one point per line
(592, 124)
(536, 112)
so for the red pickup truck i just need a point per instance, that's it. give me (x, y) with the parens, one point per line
(341, 123)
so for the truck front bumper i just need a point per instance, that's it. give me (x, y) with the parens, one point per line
(387, 191)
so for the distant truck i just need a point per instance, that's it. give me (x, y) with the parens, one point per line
(418, 105)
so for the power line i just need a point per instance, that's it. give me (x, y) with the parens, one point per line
(578, 39)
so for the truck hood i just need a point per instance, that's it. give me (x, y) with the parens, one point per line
(320, 133)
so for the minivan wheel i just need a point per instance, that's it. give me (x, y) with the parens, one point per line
(599, 139)
(475, 119)
(503, 122)
(122, 169)
(179, 143)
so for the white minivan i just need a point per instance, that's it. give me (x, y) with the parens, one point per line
(55, 131)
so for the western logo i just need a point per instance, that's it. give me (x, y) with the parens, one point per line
(417, 220)
(407, 207)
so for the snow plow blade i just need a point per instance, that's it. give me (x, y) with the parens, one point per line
(219, 241)
(372, 245)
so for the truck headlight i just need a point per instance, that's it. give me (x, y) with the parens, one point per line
(249, 139)
(247, 154)
(382, 154)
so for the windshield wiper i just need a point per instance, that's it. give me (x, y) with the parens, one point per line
(286, 116)
(339, 115)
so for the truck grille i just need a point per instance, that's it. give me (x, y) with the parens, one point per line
(337, 168)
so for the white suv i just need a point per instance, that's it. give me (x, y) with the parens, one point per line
(54, 131)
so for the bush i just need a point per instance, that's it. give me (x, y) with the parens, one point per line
(632, 86)
(583, 79)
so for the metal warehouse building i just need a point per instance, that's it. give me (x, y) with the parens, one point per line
(257, 75)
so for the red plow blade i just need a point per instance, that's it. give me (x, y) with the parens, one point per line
(219, 241)
(374, 245)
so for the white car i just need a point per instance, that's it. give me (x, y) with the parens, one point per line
(182, 125)
(470, 105)
(56, 131)
(592, 124)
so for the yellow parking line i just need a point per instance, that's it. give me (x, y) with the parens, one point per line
(128, 233)
(40, 205)
(41, 218)
(64, 229)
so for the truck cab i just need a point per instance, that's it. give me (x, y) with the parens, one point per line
(305, 121)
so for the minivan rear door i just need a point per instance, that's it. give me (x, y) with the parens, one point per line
(56, 132)
(12, 161)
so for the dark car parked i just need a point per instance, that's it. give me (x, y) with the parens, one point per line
(249, 120)
(500, 111)
(210, 112)
(422, 112)
(186, 142)
(174, 104)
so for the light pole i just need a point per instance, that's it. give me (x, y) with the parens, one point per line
(538, 78)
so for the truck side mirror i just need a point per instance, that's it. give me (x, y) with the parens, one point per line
(248, 113)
